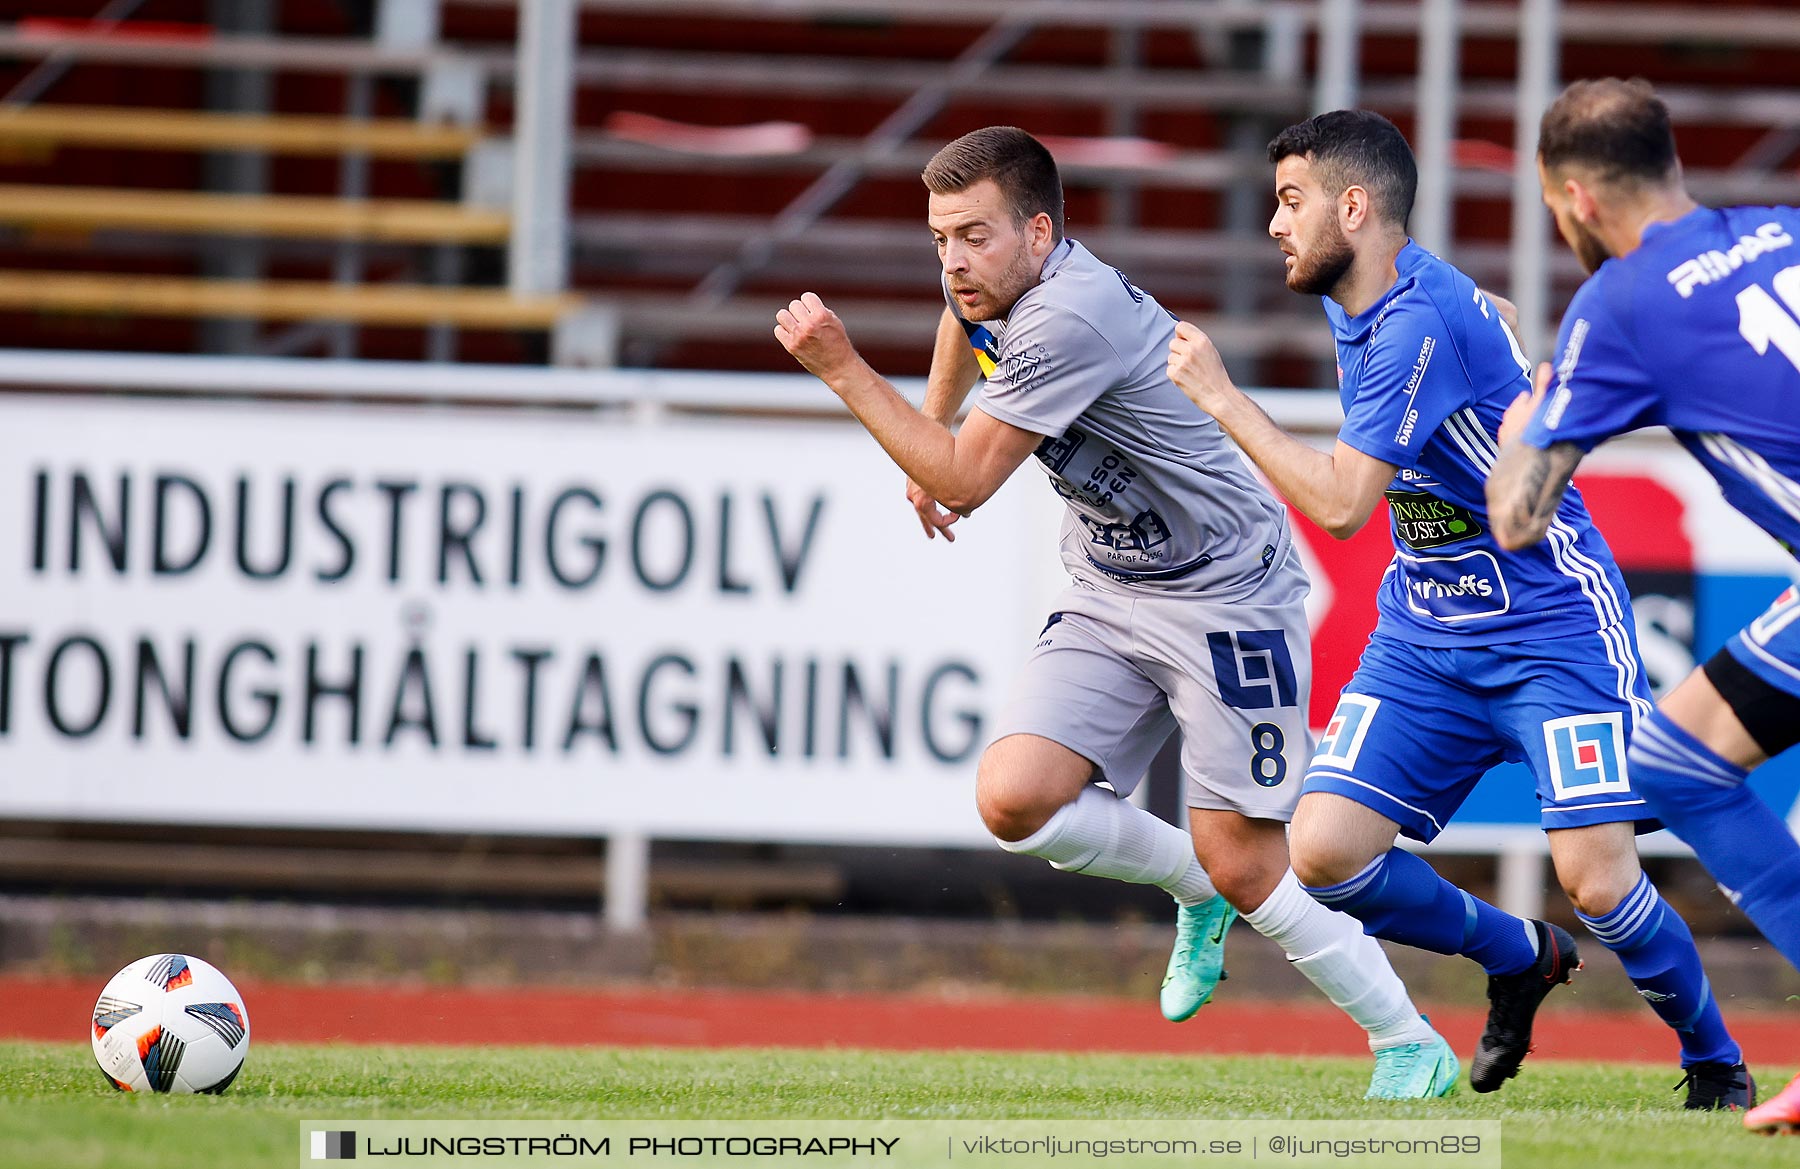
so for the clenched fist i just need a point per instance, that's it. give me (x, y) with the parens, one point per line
(815, 336)
(1196, 368)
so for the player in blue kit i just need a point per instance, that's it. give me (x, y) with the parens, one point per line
(1480, 654)
(1687, 321)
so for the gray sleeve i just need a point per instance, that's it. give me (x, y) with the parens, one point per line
(1052, 366)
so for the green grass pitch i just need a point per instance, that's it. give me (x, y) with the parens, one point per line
(56, 1111)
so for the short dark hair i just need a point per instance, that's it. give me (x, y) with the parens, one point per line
(1619, 129)
(1017, 163)
(1356, 148)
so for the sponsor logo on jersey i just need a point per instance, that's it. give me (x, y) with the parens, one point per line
(1024, 367)
(1253, 668)
(1055, 453)
(1565, 369)
(1422, 520)
(1454, 588)
(1403, 436)
(1382, 316)
(1711, 266)
(1587, 755)
(1147, 530)
(1344, 734)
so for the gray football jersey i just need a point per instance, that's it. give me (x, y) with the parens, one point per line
(1158, 498)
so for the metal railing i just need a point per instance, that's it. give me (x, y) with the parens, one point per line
(1268, 84)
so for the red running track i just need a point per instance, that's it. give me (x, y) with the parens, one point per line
(347, 1013)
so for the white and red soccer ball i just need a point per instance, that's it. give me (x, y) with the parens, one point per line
(171, 1023)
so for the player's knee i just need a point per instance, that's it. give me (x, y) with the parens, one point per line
(1009, 808)
(1319, 870)
(1597, 866)
(1023, 780)
(1597, 892)
(1597, 881)
(1323, 868)
(1009, 819)
(998, 814)
(1246, 880)
(1318, 860)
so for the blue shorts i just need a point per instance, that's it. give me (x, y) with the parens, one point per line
(1769, 646)
(1419, 725)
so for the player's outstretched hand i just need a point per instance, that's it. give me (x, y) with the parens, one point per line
(934, 519)
(1196, 368)
(814, 335)
(1513, 422)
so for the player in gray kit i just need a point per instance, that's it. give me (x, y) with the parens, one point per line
(1185, 608)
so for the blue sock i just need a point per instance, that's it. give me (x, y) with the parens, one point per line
(1740, 839)
(1402, 899)
(1658, 953)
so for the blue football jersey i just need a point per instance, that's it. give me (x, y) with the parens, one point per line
(1425, 374)
(1698, 330)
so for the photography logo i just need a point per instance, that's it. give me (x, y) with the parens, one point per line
(334, 1146)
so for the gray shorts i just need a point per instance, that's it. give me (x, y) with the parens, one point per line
(1114, 673)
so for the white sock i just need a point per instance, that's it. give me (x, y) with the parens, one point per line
(1099, 834)
(1331, 949)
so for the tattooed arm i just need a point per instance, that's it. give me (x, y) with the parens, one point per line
(1524, 489)
(1527, 484)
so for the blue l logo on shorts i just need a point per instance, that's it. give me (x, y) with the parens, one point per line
(1253, 668)
(1343, 737)
(1587, 754)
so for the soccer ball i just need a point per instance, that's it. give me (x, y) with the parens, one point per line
(171, 1023)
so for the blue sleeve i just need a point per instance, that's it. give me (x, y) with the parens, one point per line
(1410, 381)
(1602, 387)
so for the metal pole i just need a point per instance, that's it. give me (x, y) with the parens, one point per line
(1530, 224)
(1247, 198)
(627, 901)
(407, 24)
(1125, 56)
(353, 183)
(1436, 125)
(243, 91)
(538, 253)
(416, 24)
(1339, 47)
(1523, 869)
